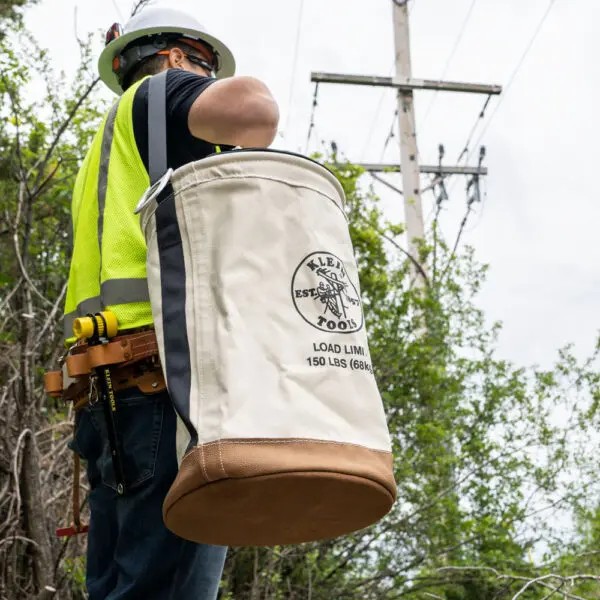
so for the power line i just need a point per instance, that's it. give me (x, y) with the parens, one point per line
(390, 135)
(372, 128)
(466, 149)
(450, 58)
(516, 71)
(320, 143)
(375, 118)
(386, 183)
(480, 212)
(311, 125)
(294, 64)
(118, 9)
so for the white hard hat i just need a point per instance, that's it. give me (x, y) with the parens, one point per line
(157, 21)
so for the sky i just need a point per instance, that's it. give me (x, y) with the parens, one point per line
(537, 227)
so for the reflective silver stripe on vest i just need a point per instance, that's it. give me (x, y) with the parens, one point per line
(107, 138)
(124, 291)
(91, 305)
(112, 292)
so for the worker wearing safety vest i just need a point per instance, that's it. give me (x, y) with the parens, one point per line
(131, 554)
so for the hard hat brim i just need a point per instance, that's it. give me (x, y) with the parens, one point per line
(105, 62)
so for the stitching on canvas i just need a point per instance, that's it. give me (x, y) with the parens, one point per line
(294, 441)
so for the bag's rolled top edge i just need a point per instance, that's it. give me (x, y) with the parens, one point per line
(250, 159)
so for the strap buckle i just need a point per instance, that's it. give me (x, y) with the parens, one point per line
(154, 191)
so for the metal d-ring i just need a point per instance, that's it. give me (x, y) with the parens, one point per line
(153, 191)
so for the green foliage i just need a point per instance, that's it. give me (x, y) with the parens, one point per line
(487, 467)
(12, 9)
(74, 568)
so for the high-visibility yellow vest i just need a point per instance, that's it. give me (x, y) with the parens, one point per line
(108, 265)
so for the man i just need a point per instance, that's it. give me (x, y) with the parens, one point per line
(131, 554)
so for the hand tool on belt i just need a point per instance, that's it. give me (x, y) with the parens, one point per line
(100, 364)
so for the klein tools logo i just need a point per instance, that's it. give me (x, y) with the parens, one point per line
(324, 295)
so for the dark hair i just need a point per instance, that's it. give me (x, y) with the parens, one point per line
(154, 64)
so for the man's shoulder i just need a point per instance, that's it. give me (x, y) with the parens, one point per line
(183, 87)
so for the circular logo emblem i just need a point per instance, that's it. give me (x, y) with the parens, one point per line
(324, 295)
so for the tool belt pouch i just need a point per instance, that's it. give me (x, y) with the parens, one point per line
(53, 384)
(281, 435)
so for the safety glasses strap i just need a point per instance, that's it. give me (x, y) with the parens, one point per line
(200, 62)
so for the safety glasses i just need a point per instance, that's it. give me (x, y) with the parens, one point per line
(199, 62)
(194, 60)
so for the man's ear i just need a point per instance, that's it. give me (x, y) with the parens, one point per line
(176, 57)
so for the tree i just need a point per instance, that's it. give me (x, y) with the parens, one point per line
(41, 147)
(480, 461)
(9, 9)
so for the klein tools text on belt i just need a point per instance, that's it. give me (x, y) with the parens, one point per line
(99, 365)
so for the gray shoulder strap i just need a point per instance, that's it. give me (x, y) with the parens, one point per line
(157, 126)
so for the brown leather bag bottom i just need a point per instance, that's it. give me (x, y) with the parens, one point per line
(248, 493)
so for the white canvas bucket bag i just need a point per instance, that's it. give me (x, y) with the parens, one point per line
(282, 436)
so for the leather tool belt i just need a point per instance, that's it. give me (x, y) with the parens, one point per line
(135, 360)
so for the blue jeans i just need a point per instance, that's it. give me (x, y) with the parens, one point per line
(131, 554)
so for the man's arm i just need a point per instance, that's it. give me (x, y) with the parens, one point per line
(238, 111)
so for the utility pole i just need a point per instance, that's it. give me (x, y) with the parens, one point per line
(409, 157)
(405, 84)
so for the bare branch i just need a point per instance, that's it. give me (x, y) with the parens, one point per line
(26, 275)
(17, 537)
(474, 568)
(387, 184)
(414, 261)
(43, 185)
(50, 319)
(542, 580)
(554, 592)
(10, 295)
(16, 466)
(138, 6)
(458, 237)
(537, 580)
(62, 129)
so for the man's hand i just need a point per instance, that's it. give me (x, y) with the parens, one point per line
(238, 111)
